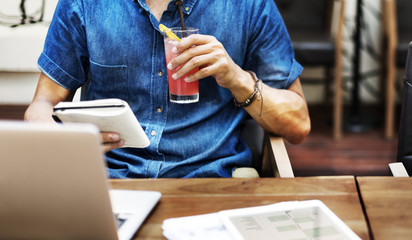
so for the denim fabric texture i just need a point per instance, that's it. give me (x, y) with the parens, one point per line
(117, 46)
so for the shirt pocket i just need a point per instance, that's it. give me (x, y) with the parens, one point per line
(108, 81)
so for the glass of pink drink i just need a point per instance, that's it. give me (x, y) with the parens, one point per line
(180, 91)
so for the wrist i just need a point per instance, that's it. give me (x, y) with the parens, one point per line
(247, 92)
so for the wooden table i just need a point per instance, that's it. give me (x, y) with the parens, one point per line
(185, 197)
(388, 205)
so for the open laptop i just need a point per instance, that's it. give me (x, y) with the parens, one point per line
(53, 185)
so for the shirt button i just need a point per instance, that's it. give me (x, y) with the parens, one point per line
(160, 73)
(187, 9)
(159, 109)
(153, 133)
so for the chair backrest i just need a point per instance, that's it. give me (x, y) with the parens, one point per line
(253, 135)
(403, 12)
(315, 29)
(269, 154)
(405, 127)
(315, 15)
(304, 14)
(397, 30)
(403, 30)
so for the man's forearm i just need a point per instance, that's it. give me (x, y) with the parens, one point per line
(282, 112)
(47, 95)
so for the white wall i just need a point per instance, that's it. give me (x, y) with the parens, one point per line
(19, 49)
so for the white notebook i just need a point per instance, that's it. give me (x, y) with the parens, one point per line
(109, 115)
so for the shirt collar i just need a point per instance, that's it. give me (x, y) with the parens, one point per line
(187, 5)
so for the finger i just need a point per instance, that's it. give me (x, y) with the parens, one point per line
(206, 64)
(108, 137)
(194, 39)
(111, 140)
(224, 72)
(111, 146)
(188, 54)
(193, 46)
(216, 64)
(202, 73)
(200, 57)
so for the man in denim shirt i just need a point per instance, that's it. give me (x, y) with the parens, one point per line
(117, 45)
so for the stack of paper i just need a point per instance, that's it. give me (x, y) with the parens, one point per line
(286, 220)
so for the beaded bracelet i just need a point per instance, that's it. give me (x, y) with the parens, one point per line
(252, 97)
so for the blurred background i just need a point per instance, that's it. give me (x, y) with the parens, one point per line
(353, 51)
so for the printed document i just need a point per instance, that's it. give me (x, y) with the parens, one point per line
(295, 220)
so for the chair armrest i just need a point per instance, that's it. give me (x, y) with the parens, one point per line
(276, 156)
(398, 170)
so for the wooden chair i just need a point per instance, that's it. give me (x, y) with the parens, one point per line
(396, 30)
(269, 154)
(390, 40)
(316, 28)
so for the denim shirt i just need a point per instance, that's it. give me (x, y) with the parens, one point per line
(117, 46)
